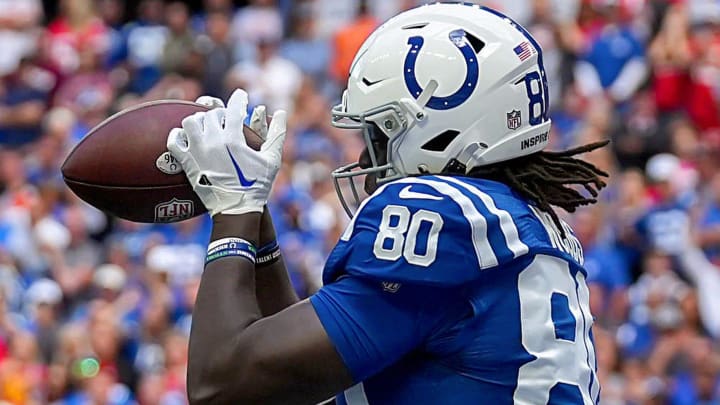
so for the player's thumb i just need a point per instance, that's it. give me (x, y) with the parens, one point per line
(177, 142)
(273, 145)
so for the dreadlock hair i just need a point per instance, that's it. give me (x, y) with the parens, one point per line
(545, 178)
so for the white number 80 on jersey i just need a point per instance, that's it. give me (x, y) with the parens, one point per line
(400, 229)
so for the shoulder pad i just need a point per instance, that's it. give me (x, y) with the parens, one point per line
(427, 230)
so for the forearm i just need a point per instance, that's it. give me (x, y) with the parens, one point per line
(273, 288)
(587, 79)
(25, 115)
(630, 78)
(709, 237)
(225, 307)
(706, 278)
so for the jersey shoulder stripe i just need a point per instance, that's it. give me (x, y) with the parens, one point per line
(472, 216)
(507, 225)
(447, 228)
(392, 193)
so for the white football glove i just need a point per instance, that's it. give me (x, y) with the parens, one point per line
(258, 119)
(228, 175)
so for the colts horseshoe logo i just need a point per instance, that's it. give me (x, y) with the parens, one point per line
(471, 77)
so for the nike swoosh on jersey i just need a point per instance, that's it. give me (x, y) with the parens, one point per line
(243, 180)
(406, 194)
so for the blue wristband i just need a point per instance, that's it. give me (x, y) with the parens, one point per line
(268, 254)
(230, 247)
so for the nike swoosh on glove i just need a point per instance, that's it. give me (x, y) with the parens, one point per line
(228, 175)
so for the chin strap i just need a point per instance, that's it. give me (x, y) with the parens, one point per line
(427, 94)
(454, 167)
(468, 158)
(416, 107)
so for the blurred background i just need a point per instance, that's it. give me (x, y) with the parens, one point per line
(95, 310)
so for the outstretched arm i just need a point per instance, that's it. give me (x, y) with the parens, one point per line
(273, 288)
(312, 349)
(236, 355)
(706, 278)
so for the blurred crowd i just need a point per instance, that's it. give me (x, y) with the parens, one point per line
(95, 310)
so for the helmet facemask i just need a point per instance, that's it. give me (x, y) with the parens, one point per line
(382, 128)
(375, 162)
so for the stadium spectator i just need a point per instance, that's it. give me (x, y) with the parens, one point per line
(216, 51)
(703, 99)
(608, 271)
(270, 79)
(670, 54)
(77, 27)
(24, 95)
(89, 92)
(708, 226)
(662, 225)
(19, 32)
(613, 61)
(181, 40)
(42, 300)
(21, 373)
(199, 19)
(112, 13)
(303, 47)
(259, 21)
(142, 47)
(347, 41)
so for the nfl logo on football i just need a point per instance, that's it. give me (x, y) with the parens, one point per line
(514, 120)
(173, 210)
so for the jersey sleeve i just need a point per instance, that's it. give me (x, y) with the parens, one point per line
(357, 314)
(425, 231)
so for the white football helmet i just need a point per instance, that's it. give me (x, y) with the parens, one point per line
(451, 86)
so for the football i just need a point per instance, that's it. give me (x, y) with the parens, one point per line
(122, 166)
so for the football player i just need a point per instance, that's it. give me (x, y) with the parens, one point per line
(455, 281)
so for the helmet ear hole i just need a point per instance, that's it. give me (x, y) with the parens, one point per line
(476, 43)
(440, 142)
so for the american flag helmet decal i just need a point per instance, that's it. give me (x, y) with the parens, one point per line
(523, 51)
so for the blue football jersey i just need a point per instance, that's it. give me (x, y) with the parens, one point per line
(454, 290)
